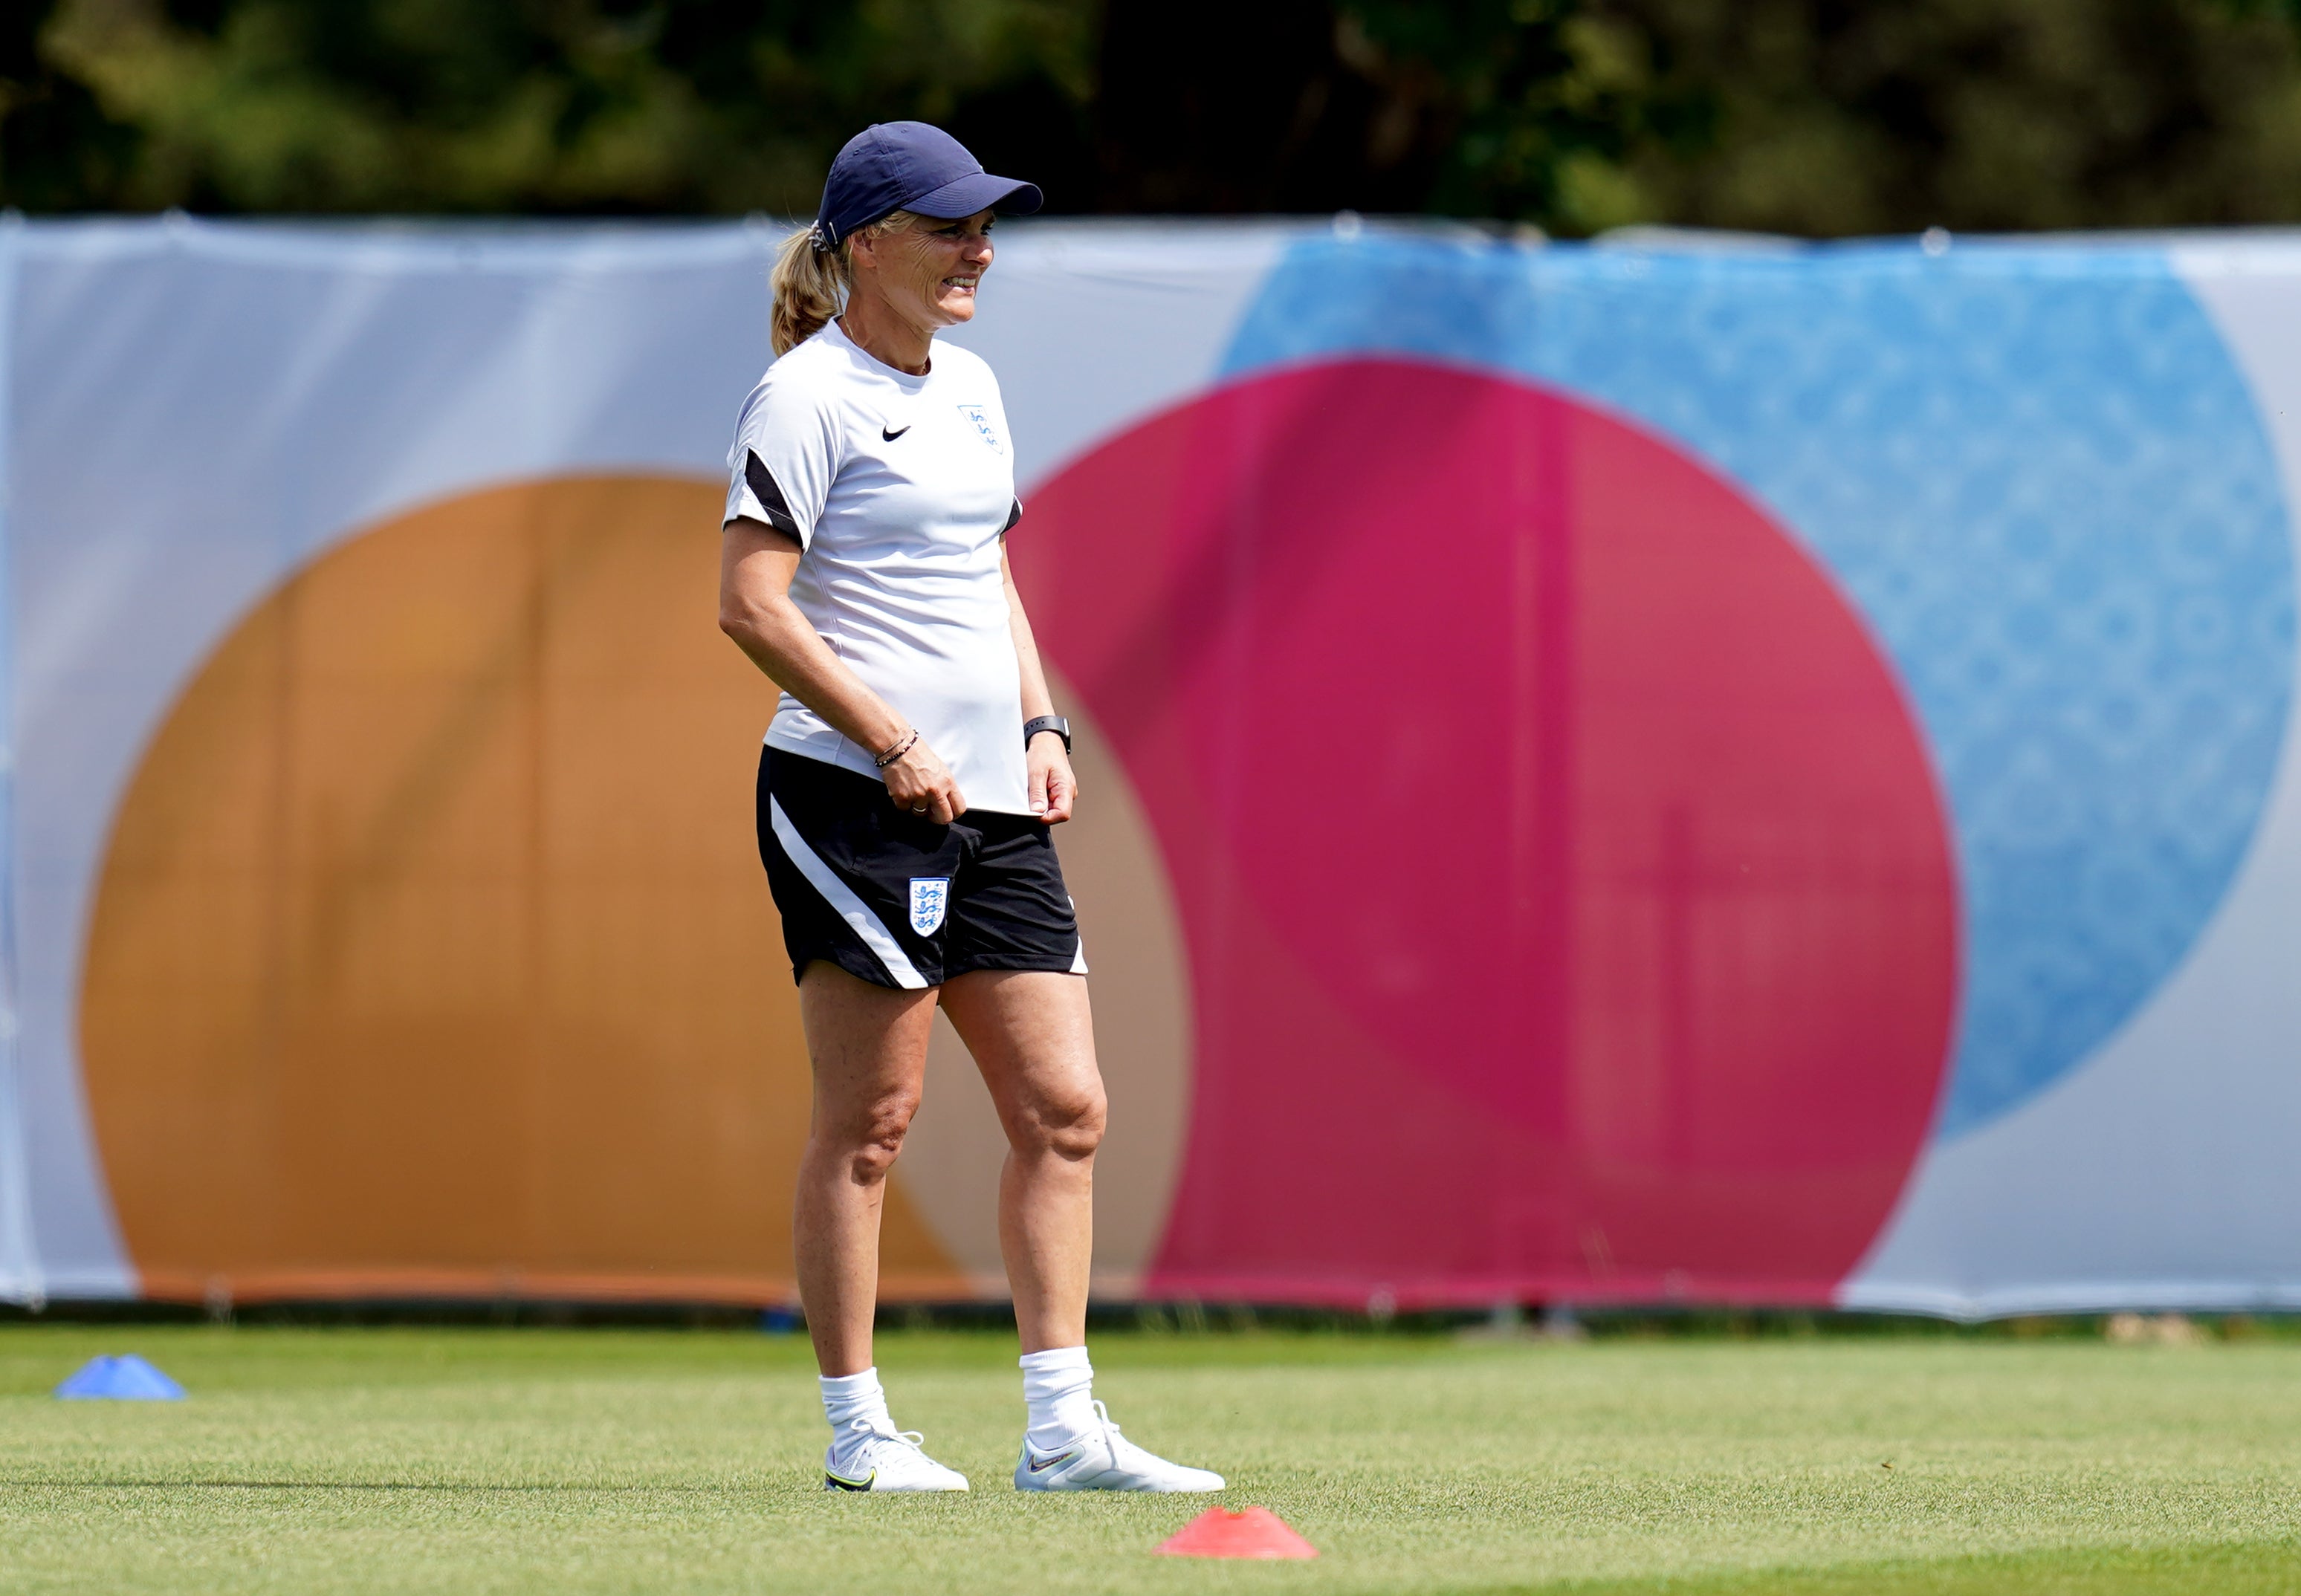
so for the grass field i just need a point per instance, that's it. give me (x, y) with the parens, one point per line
(570, 1461)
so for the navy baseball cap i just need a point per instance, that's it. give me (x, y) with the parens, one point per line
(911, 166)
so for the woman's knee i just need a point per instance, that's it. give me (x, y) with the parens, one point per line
(872, 1140)
(1067, 1124)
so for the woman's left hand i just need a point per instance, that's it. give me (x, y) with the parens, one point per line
(1053, 789)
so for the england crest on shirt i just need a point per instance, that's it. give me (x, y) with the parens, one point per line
(930, 896)
(981, 417)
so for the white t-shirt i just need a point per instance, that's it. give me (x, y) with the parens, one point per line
(898, 489)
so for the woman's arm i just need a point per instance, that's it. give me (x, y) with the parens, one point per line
(757, 563)
(1054, 790)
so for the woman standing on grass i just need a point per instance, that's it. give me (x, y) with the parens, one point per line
(908, 788)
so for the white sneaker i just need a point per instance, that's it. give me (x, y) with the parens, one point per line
(1102, 1460)
(869, 1458)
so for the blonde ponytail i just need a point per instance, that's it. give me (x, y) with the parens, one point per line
(809, 286)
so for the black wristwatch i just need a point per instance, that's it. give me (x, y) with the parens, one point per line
(1048, 723)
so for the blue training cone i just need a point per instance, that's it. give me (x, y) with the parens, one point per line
(127, 1378)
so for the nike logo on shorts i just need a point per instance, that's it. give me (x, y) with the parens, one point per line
(890, 436)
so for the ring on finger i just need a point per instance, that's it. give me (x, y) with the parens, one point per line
(919, 808)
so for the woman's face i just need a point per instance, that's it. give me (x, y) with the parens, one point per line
(928, 273)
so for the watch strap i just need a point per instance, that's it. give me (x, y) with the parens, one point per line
(1048, 723)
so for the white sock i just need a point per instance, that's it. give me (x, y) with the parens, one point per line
(847, 1398)
(1058, 1389)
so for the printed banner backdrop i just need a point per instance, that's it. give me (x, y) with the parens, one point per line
(1654, 770)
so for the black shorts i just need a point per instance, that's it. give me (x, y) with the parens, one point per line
(896, 899)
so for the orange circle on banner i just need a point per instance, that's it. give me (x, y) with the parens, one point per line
(432, 953)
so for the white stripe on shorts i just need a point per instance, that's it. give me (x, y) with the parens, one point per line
(1078, 959)
(842, 900)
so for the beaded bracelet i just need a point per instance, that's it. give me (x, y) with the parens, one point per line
(900, 748)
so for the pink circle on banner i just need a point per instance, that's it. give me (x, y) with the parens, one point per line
(1569, 905)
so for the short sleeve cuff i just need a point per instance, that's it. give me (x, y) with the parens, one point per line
(763, 492)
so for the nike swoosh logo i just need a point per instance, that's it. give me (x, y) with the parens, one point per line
(890, 436)
(1038, 1465)
(846, 1484)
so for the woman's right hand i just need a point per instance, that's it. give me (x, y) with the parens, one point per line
(921, 784)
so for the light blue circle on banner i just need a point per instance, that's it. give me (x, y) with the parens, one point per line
(2038, 474)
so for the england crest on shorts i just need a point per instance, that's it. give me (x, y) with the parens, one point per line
(930, 896)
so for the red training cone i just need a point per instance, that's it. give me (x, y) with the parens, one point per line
(1218, 1532)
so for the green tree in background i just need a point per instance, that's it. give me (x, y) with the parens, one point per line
(1519, 110)
(537, 105)
(1806, 116)
(1982, 115)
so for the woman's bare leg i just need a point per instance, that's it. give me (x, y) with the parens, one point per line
(1033, 1037)
(868, 1045)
